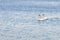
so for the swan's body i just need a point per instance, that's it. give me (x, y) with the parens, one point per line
(42, 17)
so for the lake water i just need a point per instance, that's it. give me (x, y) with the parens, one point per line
(18, 20)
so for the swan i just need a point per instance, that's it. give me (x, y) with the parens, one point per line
(41, 17)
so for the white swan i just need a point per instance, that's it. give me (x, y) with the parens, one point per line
(42, 17)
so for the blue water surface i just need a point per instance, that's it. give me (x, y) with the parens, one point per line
(18, 20)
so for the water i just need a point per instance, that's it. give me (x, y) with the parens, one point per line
(18, 20)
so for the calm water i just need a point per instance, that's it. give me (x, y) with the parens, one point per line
(18, 20)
